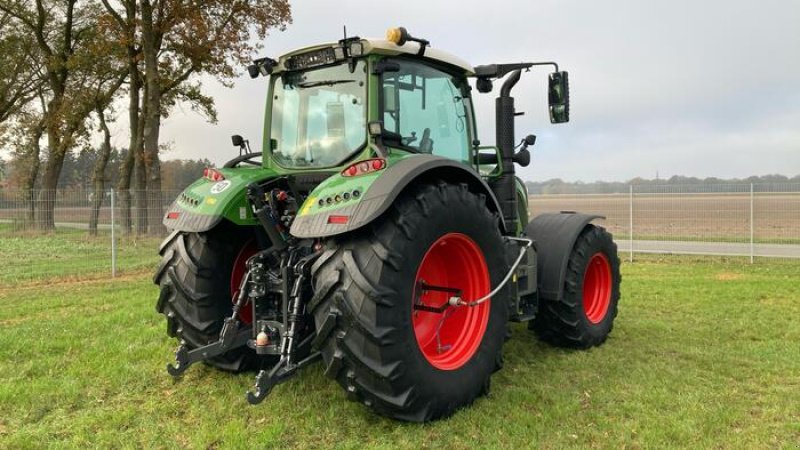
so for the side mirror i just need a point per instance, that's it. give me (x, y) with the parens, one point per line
(237, 141)
(485, 158)
(558, 96)
(529, 140)
(523, 157)
(488, 160)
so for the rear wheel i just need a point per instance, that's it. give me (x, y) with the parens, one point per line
(585, 314)
(376, 292)
(198, 276)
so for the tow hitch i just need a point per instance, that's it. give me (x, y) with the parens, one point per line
(293, 347)
(286, 366)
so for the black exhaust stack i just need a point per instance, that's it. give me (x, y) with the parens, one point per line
(504, 187)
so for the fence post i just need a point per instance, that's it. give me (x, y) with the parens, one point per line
(630, 215)
(752, 226)
(113, 239)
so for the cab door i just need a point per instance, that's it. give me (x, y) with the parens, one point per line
(428, 108)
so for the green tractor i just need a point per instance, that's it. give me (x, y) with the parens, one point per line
(375, 233)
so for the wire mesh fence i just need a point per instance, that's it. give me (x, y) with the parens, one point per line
(76, 233)
(751, 220)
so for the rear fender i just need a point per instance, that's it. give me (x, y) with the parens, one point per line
(321, 217)
(204, 204)
(555, 235)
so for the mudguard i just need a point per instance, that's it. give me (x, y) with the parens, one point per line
(202, 205)
(555, 235)
(319, 217)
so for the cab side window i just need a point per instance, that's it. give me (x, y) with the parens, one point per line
(426, 108)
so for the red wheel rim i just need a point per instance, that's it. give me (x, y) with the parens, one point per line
(449, 339)
(239, 268)
(597, 288)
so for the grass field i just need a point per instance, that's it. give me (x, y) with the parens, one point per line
(70, 253)
(704, 354)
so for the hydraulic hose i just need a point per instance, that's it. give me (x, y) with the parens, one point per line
(457, 301)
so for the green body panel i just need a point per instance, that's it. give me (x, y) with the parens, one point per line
(225, 198)
(338, 185)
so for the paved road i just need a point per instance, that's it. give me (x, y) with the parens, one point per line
(710, 248)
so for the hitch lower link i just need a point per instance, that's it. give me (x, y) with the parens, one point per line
(233, 336)
(230, 337)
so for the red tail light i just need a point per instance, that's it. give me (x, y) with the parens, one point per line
(339, 220)
(365, 166)
(212, 174)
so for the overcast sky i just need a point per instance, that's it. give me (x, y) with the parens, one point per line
(696, 88)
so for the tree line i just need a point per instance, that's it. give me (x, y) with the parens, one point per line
(558, 186)
(68, 68)
(176, 174)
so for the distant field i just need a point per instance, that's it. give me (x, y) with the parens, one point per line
(718, 217)
(704, 354)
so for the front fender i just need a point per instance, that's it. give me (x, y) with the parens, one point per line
(202, 205)
(320, 217)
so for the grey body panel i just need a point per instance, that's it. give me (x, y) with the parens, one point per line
(379, 196)
(555, 235)
(189, 221)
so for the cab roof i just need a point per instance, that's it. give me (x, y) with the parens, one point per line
(384, 47)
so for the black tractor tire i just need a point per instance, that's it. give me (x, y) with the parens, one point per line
(195, 294)
(573, 321)
(364, 285)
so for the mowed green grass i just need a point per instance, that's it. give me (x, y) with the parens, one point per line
(705, 353)
(70, 253)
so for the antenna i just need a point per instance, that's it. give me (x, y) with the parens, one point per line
(344, 27)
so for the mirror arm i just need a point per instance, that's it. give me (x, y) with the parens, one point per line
(505, 91)
(500, 70)
(546, 63)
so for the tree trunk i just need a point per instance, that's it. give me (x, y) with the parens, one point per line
(140, 194)
(152, 117)
(124, 192)
(52, 169)
(140, 175)
(31, 166)
(99, 174)
(126, 170)
(47, 194)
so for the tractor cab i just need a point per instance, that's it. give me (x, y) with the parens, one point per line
(333, 106)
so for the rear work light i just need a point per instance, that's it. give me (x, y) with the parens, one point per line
(365, 166)
(212, 174)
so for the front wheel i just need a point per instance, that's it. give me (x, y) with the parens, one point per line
(585, 314)
(380, 305)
